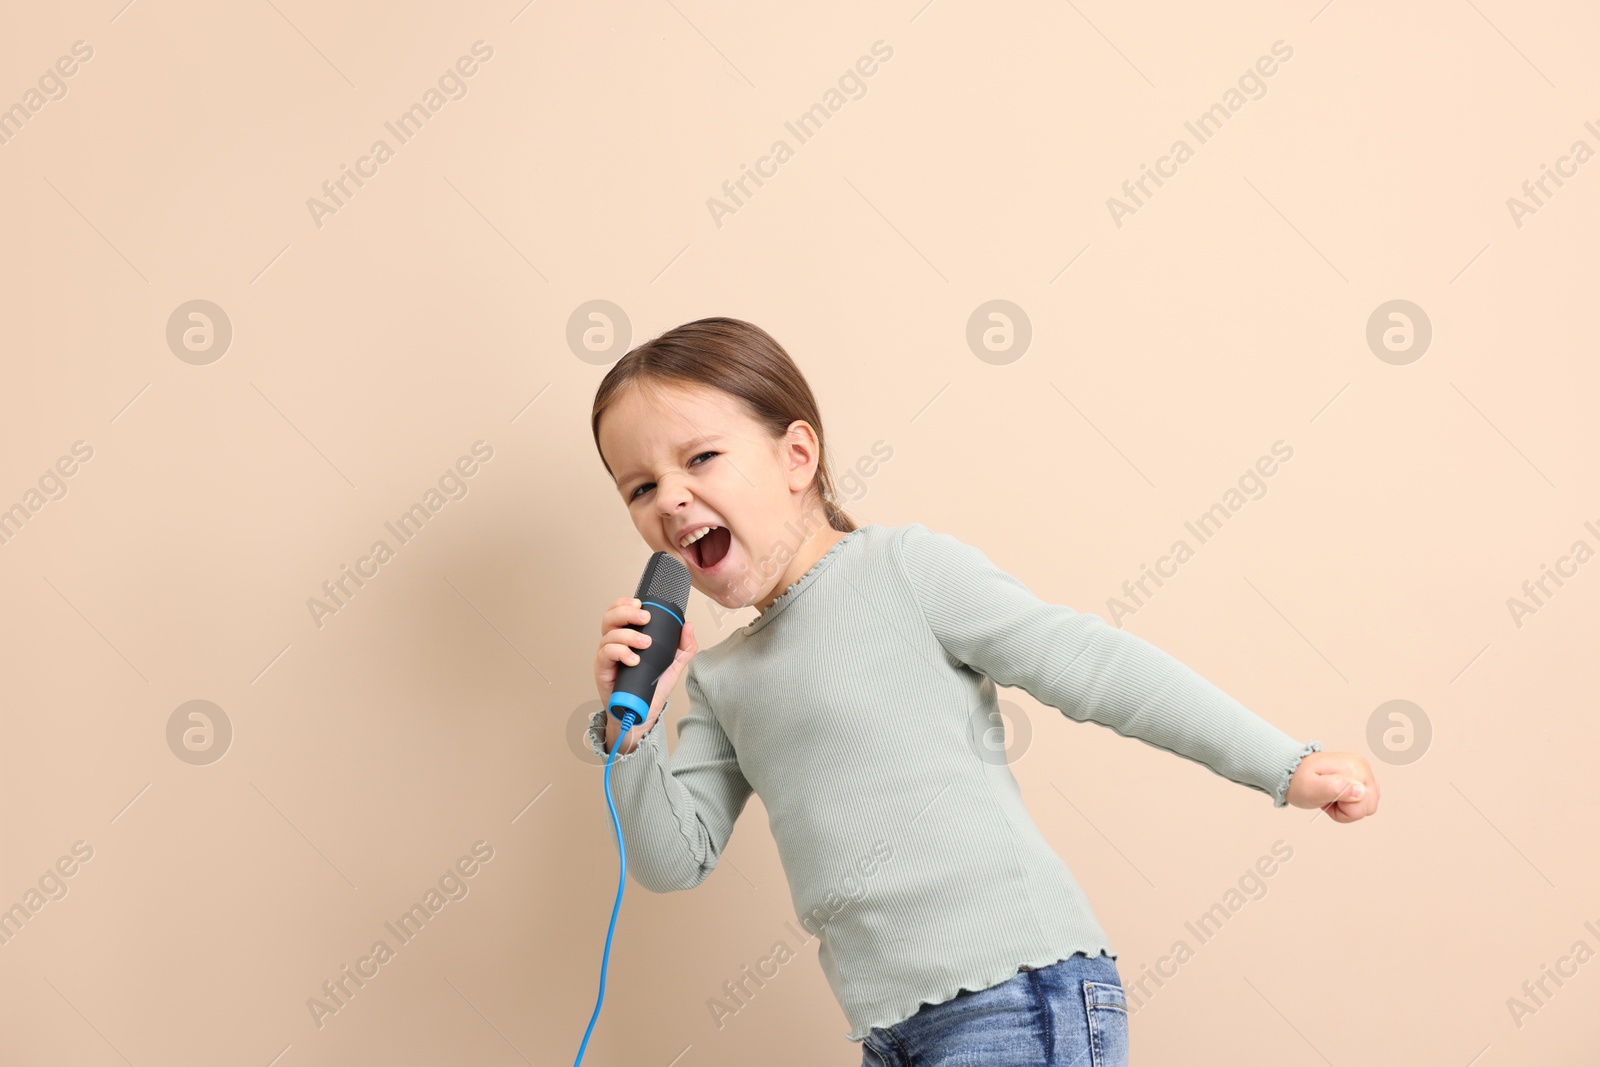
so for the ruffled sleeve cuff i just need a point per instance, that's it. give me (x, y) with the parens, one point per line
(653, 737)
(1280, 795)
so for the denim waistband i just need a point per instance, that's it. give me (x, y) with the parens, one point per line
(1030, 967)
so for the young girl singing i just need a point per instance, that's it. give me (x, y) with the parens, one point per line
(854, 704)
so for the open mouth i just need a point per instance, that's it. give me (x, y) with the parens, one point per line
(710, 549)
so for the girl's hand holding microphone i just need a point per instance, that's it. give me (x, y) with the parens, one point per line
(618, 640)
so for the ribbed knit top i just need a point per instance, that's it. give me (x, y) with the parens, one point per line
(856, 706)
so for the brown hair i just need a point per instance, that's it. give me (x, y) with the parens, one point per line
(742, 360)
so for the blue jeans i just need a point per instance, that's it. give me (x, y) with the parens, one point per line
(1073, 1013)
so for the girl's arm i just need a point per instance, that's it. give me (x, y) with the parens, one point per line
(1077, 663)
(676, 812)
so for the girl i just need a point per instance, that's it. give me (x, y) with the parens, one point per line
(854, 702)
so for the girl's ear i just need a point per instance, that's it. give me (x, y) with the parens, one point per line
(800, 454)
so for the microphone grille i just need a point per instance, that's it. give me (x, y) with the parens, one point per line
(666, 581)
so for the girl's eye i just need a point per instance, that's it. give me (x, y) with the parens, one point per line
(650, 485)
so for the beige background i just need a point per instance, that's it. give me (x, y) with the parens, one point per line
(441, 705)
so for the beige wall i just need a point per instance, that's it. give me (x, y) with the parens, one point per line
(1172, 347)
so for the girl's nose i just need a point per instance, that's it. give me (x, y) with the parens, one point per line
(671, 493)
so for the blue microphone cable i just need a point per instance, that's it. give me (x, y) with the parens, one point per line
(630, 718)
(665, 585)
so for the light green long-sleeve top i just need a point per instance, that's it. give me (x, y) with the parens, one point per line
(856, 706)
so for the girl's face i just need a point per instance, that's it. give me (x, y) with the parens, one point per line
(692, 457)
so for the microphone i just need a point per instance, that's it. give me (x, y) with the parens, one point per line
(663, 592)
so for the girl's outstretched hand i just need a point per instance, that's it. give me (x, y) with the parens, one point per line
(1340, 783)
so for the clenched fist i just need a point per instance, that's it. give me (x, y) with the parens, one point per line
(1340, 783)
